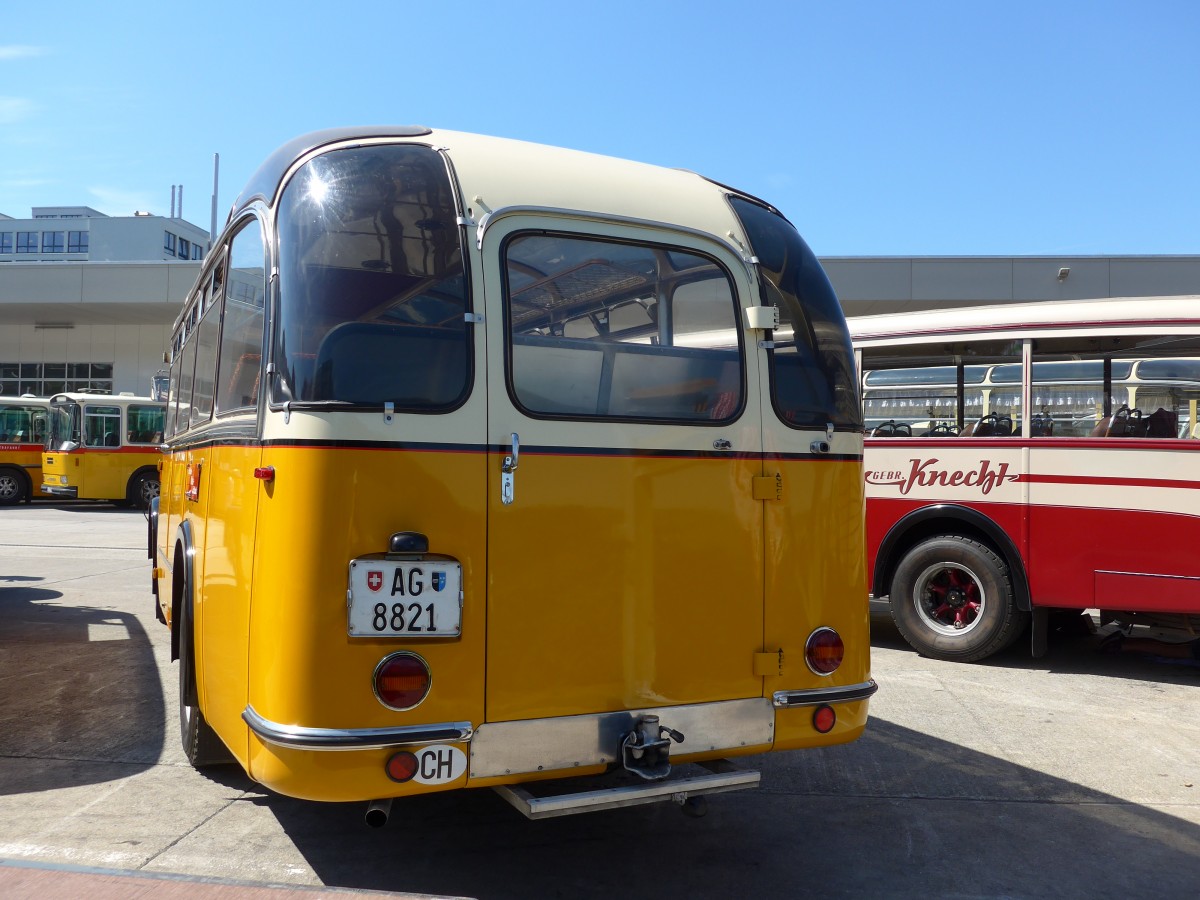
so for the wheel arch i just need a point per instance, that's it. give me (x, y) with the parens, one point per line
(182, 581)
(948, 518)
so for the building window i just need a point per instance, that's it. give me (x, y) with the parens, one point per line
(6, 242)
(47, 379)
(77, 242)
(169, 242)
(27, 242)
(185, 248)
(197, 251)
(53, 242)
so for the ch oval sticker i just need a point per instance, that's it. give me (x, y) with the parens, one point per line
(440, 764)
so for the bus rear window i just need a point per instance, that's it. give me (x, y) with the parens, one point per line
(372, 290)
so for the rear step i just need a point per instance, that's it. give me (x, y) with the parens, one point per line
(723, 776)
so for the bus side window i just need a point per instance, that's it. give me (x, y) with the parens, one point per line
(243, 383)
(240, 353)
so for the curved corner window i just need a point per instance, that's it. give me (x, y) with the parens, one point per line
(618, 330)
(812, 366)
(372, 288)
(240, 283)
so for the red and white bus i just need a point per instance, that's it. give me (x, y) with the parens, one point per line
(1028, 460)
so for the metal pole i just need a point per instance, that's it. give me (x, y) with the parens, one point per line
(212, 228)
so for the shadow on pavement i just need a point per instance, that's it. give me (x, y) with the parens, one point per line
(105, 705)
(896, 814)
(1067, 653)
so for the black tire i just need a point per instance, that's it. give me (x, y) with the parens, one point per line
(143, 487)
(201, 745)
(13, 487)
(952, 598)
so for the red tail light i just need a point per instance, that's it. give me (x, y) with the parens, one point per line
(402, 680)
(402, 766)
(824, 651)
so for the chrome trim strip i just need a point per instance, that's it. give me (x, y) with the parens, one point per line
(302, 738)
(846, 694)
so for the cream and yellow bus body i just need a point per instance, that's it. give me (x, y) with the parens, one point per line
(625, 566)
(103, 447)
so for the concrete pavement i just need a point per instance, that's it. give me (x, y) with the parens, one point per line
(1071, 776)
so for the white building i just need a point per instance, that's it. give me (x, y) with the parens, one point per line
(87, 300)
(867, 285)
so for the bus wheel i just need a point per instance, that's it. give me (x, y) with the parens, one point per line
(143, 488)
(200, 743)
(12, 487)
(952, 598)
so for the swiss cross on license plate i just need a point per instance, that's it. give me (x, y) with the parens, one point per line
(411, 599)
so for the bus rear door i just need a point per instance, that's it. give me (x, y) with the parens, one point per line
(625, 546)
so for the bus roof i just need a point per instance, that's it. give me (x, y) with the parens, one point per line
(109, 399)
(495, 173)
(1018, 318)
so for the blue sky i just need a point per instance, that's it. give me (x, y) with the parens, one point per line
(915, 128)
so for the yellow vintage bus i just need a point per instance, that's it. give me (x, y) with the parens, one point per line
(103, 447)
(490, 464)
(23, 427)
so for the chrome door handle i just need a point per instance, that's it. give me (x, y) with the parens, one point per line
(506, 471)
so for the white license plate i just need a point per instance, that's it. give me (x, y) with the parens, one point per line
(418, 599)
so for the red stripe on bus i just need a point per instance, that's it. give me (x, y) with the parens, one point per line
(1046, 443)
(1111, 482)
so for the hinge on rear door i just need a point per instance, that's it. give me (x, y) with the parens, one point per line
(768, 663)
(768, 487)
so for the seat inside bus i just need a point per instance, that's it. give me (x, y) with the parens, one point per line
(892, 428)
(993, 425)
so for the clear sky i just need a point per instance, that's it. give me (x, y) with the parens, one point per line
(902, 128)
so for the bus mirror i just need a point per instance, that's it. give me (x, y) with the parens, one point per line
(762, 317)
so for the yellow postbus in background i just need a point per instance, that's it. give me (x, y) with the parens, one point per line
(102, 447)
(23, 427)
(489, 464)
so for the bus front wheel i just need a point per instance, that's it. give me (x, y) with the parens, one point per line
(12, 487)
(200, 743)
(143, 487)
(952, 598)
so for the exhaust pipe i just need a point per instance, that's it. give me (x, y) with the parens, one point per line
(378, 812)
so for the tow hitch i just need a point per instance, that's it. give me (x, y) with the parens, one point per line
(646, 751)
